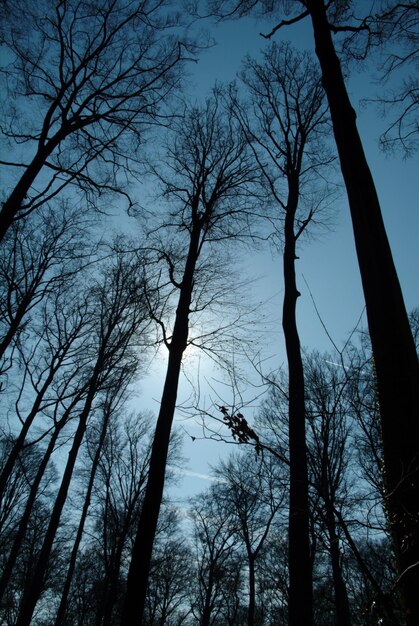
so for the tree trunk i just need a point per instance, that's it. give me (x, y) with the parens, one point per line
(13, 205)
(141, 556)
(19, 443)
(392, 342)
(300, 569)
(72, 564)
(23, 523)
(252, 591)
(34, 587)
(342, 612)
(112, 586)
(206, 611)
(14, 325)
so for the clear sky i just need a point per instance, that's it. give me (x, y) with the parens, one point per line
(328, 264)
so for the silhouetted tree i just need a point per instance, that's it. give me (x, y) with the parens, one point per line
(89, 82)
(37, 257)
(394, 352)
(286, 127)
(345, 515)
(273, 577)
(50, 367)
(119, 317)
(12, 507)
(208, 180)
(122, 475)
(328, 418)
(215, 543)
(250, 491)
(171, 574)
(98, 440)
(392, 27)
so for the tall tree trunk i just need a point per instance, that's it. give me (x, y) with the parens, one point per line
(141, 556)
(300, 569)
(112, 585)
(392, 342)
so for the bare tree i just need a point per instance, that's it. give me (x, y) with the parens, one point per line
(36, 259)
(20, 483)
(286, 132)
(170, 575)
(208, 180)
(122, 476)
(97, 448)
(394, 352)
(392, 27)
(215, 542)
(251, 492)
(89, 82)
(344, 524)
(273, 577)
(115, 486)
(328, 418)
(48, 384)
(119, 319)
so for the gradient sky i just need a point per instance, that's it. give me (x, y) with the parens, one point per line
(328, 264)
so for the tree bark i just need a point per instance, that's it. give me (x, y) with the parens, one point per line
(392, 342)
(207, 609)
(141, 556)
(300, 568)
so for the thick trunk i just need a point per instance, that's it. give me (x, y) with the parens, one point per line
(13, 205)
(141, 556)
(206, 611)
(392, 343)
(300, 571)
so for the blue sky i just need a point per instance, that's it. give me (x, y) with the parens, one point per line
(328, 264)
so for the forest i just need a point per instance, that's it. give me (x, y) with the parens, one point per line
(130, 204)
